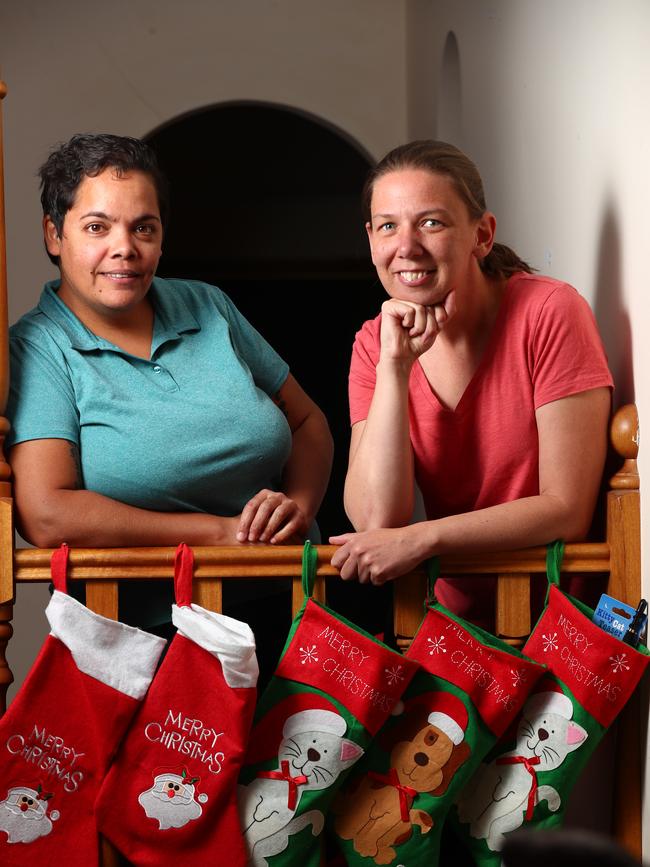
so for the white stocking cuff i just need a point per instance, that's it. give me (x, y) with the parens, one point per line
(231, 641)
(121, 656)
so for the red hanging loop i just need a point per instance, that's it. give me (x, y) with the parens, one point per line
(183, 571)
(59, 568)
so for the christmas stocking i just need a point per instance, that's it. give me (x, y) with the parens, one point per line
(526, 779)
(171, 794)
(61, 730)
(334, 687)
(469, 689)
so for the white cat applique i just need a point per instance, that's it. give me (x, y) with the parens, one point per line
(505, 791)
(312, 755)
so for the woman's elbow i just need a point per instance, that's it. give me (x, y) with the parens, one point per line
(41, 527)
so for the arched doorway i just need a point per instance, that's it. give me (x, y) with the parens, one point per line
(265, 204)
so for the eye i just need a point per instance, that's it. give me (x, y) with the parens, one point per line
(430, 223)
(145, 229)
(386, 227)
(94, 228)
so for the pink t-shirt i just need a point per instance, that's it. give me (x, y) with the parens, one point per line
(544, 346)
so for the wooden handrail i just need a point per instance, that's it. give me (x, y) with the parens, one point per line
(268, 561)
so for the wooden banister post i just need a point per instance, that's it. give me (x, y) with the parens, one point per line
(624, 538)
(7, 584)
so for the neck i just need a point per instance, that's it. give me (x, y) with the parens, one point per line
(477, 305)
(130, 330)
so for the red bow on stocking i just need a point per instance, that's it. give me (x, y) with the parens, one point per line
(528, 764)
(294, 782)
(405, 792)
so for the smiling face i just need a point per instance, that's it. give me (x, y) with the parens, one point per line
(422, 239)
(109, 246)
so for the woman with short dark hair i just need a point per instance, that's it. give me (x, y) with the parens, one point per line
(148, 411)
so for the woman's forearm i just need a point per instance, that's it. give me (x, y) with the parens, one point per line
(379, 487)
(380, 555)
(87, 519)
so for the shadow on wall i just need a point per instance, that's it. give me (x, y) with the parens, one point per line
(449, 121)
(613, 319)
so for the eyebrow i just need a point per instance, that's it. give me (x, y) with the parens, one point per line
(110, 219)
(425, 213)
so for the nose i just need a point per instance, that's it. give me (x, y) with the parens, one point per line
(123, 246)
(313, 755)
(421, 759)
(409, 242)
(542, 734)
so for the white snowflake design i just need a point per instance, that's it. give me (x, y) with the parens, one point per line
(518, 677)
(436, 645)
(550, 642)
(308, 654)
(619, 663)
(394, 675)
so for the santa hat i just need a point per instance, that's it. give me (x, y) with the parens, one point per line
(450, 716)
(315, 720)
(279, 723)
(548, 697)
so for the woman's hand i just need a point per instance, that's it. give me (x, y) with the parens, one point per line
(377, 556)
(408, 330)
(271, 516)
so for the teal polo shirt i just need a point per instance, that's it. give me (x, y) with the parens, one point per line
(192, 428)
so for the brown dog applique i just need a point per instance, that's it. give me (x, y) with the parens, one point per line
(426, 749)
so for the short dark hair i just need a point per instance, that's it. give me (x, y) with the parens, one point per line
(87, 155)
(442, 158)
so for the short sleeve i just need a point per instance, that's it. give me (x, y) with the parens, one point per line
(363, 370)
(269, 370)
(41, 396)
(566, 354)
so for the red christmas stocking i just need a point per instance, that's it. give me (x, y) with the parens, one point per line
(60, 732)
(526, 780)
(170, 796)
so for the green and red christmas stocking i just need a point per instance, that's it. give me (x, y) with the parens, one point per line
(171, 794)
(61, 730)
(469, 689)
(333, 689)
(527, 778)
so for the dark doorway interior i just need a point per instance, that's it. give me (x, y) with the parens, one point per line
(265, 204)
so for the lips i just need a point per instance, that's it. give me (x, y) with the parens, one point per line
(120, 275)
(413, 276)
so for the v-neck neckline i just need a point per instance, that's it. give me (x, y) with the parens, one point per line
(486, 356)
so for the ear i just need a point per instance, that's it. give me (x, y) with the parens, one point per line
(51, 237)
(459, 755)
(575, 735)
(486, 228)
(371, 236)
(350, 751)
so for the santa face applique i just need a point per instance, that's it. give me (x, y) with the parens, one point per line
(171, 800)
(23, 815)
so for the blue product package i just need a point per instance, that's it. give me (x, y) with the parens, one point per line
(613, 616)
